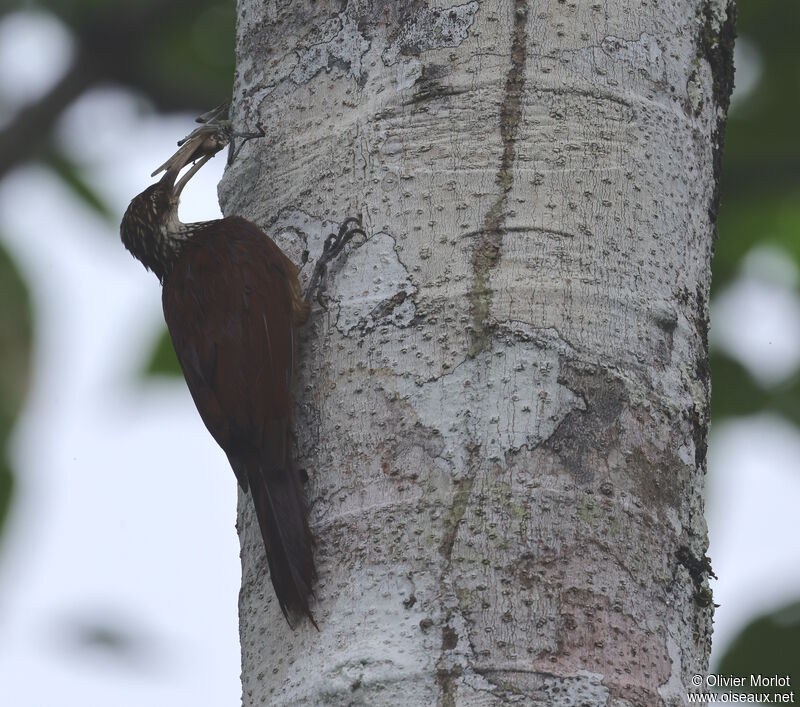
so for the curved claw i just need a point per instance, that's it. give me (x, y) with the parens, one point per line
(334, 244)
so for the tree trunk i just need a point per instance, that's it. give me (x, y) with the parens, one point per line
(503, 411)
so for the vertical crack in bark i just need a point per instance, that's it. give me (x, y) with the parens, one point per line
(487, 251)
(447, 667)
(445, 678)
(461, 494)
(484, 259)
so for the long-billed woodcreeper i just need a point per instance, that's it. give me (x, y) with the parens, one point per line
(232, 302)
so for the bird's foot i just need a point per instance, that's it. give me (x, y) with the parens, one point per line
(333, 246)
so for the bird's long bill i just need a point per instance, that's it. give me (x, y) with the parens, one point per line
(186, 177)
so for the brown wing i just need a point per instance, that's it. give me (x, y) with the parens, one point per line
(228, 308)
(228, 303)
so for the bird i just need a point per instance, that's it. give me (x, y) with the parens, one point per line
(233, 302)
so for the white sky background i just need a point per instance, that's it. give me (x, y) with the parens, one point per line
(125, 506)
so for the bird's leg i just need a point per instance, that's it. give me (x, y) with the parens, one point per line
(186, 177)
(334, 244)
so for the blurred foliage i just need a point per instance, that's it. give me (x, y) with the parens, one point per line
(767, 647)
(16, 332)
(177, 53)
(6, 489)
(756, 218)
(736, 392)
(761, 167)
(163, 361)
(762, 156)
(82, 633)
(760, 187)
(761, 205)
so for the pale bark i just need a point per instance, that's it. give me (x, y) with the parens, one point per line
(503, 413)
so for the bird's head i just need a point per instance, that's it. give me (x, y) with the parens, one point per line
(150, 228)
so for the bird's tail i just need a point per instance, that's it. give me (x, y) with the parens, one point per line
(283, 517)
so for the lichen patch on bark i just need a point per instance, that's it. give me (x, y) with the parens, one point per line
(339, 41)
(634, 659)
(372, 287)
(479, 400)
(642, 54)
(431, 28)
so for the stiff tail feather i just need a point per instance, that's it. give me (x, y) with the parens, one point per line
(283, 517)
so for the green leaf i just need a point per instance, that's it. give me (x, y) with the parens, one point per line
(761, 175)
(767, 646)
(163, 361)
(762, 131)
(15, 363)
(761, 220)
(199, 54)
(734, 392)
(15, 342)
(6, 491)
(179, 53)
